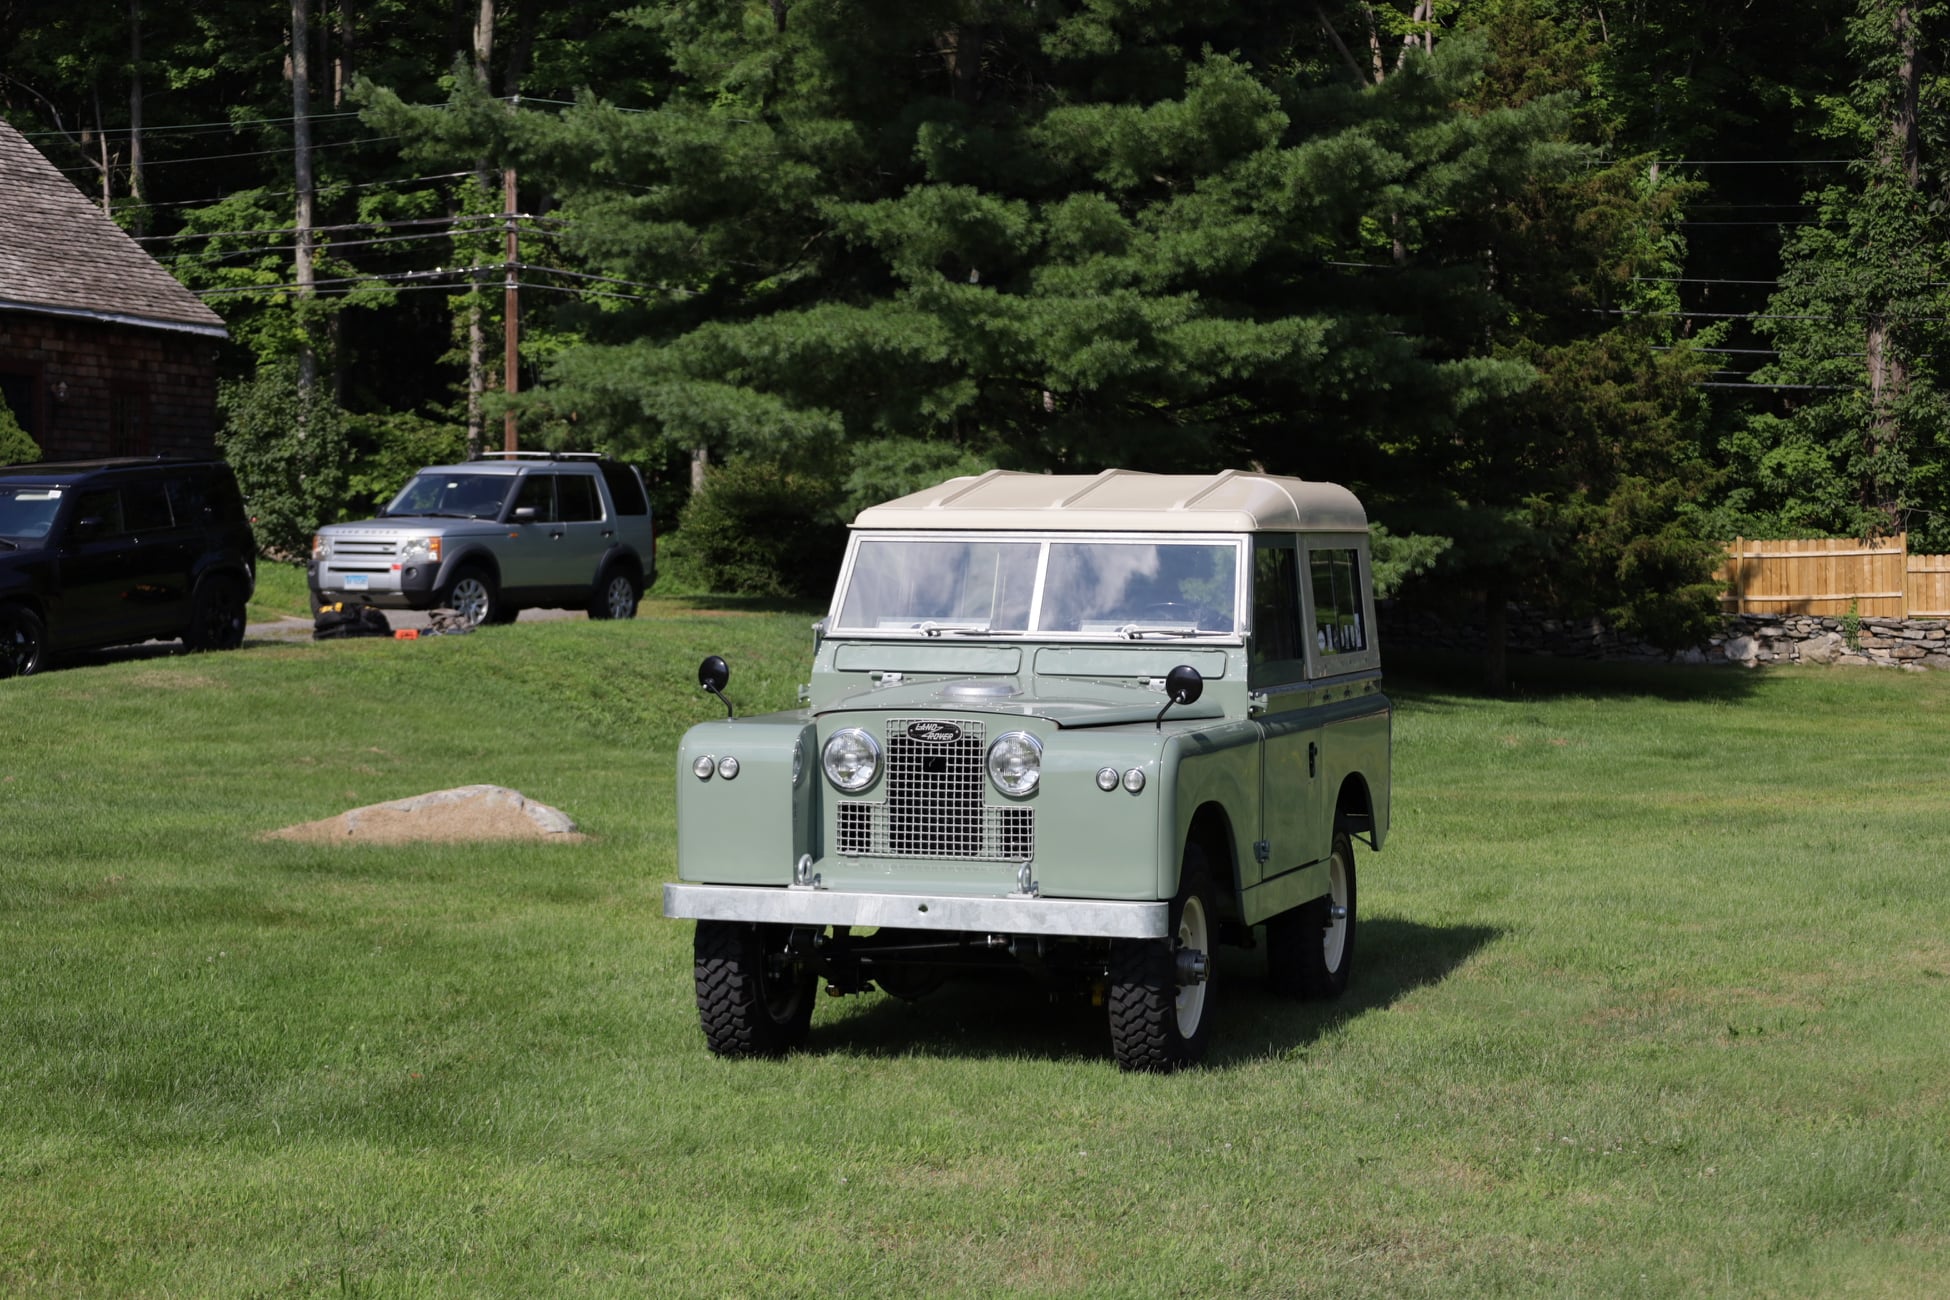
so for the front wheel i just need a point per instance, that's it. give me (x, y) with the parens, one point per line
(1162, 991)
(753, 999)
(473, 595)
(23, 641)
(216, 616)
(1310, 950)
(615, 595)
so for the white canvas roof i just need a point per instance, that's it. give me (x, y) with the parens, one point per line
(1124, 500)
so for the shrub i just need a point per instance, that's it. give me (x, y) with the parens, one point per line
(289, 454)
(16, 448)
(756, 530)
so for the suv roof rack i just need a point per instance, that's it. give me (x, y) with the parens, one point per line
(536, 455)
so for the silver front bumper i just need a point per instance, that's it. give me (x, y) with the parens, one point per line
(1079, 917)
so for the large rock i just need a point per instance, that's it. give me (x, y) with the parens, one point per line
(1740, 650)
(1823, 649)
(468, 812)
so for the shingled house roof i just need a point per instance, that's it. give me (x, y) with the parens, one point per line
(61, 256)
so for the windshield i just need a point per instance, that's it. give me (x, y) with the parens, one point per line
(943, 586)
(27, 512)
(455, 496)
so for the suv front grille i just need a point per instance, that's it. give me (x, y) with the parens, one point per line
(935, 804)
(379, 549)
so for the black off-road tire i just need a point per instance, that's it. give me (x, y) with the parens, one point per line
(1156, 1024)
(1310, 950)
(750, 1002)
(615, 594)
(216, 615)
(23, 641)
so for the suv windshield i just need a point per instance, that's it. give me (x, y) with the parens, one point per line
(453, 495)
(945, 586)
(27, 512)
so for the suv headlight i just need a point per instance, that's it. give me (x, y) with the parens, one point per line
(1016, 763)
(851, 760)
(420, 550)
(321, 547)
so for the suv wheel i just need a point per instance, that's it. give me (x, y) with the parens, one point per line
(616, 594)
(1162, 990)
(752, 1000)
(23, 641)
(473, 595)
(1310, 950)
(216, 616)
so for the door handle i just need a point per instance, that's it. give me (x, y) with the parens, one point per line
(609, 532)
(555, 536)
(1313, 754)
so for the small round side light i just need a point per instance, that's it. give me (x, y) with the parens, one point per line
(1106, 779)
(1134, 780)
(728, 767)
(703, 766)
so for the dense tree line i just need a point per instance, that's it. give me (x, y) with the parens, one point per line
(1568, 290)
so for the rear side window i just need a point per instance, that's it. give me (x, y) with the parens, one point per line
(145, 506)
(625, 489)
(577, 494)
(1277, 653)
(205, 497)
(1339, 624)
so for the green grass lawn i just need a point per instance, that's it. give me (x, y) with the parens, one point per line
(1653, 998)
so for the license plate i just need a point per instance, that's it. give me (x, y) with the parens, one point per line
(357, 581)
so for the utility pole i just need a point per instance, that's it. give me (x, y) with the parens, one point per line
(301, 150)
(511, 314)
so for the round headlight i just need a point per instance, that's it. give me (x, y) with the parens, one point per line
(1016, 763)
(703, 766)
(851, 759)
(798, 761)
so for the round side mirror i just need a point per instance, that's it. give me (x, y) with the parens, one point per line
(1184, 685)
(714, 672)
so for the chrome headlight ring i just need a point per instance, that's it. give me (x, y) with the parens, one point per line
(851, 760)
(1015, 763)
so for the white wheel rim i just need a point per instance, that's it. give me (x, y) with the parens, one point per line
(1192, 933)
(1333, 939)
(470, 599)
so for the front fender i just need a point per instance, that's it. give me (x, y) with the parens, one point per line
(751, 829)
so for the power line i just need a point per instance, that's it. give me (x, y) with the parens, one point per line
(227, 157)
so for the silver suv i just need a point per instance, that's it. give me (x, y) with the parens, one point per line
(495, 536)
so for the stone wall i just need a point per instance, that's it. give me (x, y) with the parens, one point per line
(104, 389)
(1748, 639)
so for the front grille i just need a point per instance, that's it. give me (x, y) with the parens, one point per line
(346, 549)
(935, 804)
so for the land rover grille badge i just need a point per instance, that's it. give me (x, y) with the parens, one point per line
(934, 733)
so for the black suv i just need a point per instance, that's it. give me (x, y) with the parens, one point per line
(110, 552)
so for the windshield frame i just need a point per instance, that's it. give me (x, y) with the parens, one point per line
(1044, 539)
(506, 480)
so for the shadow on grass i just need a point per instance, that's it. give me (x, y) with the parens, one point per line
(1009, 1017)
(1428, 676)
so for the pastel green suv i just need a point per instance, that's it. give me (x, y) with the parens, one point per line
(1090, 728)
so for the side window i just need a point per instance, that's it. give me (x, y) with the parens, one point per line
(577, 494)
(538, 494)
(624, 489)
(104, 504)
(145, 506)
(1277, 654)
(189, 500)
(1339, 624)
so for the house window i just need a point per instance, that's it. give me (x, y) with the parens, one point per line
(128, 422)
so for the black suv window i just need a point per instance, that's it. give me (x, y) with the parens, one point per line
(624, 489)
(104, 505)
(27, 511)
(580, 504)
(145, 506)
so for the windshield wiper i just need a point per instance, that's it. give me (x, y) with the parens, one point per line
(1138, 631)
(930, 627)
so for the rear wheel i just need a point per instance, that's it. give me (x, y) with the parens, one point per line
(23, 641)
(1310, 950)
(473, 595)
(752, 999)
(616, 594)
(216, 615)
(1162, 990)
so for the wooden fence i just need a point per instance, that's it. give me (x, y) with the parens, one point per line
(1881, 579)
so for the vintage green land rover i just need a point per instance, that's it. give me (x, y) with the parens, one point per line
(1087, 727)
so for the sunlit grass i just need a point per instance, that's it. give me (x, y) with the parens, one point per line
(1650, 1001)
